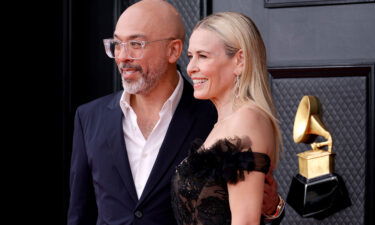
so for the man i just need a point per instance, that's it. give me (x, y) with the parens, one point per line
(126, 145)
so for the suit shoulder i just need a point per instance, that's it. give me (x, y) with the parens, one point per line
(111, 100)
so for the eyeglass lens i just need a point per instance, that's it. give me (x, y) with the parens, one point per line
(133, 49)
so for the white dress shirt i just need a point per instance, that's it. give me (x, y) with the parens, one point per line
(142, 153)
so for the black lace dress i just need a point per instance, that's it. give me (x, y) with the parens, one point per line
(199, 186)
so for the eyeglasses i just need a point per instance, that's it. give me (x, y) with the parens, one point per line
(133, 48)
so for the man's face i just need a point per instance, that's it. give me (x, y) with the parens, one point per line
(140, 76)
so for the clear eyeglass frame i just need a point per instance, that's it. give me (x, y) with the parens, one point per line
(133, 48)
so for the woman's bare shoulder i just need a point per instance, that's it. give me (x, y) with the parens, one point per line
(252, 123)
(250, 117)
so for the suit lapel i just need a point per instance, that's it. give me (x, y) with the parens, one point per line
(178, 129)
(116, 145)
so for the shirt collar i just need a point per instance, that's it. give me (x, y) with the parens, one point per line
(175, 97)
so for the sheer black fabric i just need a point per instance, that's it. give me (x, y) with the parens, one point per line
(199, 186)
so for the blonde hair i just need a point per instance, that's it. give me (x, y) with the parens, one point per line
(239, 32)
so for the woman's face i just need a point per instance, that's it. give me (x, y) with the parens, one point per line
(210, 69)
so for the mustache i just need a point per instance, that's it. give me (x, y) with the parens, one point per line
(130, 66)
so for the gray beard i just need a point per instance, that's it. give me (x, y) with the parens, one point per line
(141, 85)
(144, 84)
(147, 81)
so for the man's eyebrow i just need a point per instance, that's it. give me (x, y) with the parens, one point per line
(134, 36)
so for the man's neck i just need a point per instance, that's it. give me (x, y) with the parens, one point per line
(147, 106)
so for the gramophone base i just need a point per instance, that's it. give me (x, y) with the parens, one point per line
(319, 196)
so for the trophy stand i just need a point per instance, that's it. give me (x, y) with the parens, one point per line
(316, 191)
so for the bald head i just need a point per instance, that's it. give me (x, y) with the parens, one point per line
(152, 19)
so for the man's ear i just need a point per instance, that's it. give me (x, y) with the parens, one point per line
(240, 62)
(174, 50)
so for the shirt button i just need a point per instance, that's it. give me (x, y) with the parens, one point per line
(138, 214)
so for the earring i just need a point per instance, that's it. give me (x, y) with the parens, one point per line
(237, 86)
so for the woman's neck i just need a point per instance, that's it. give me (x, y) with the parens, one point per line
(225, 108)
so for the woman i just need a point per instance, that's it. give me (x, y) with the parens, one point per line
(221, 181)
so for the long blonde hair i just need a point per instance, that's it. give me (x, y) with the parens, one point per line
(239, 32)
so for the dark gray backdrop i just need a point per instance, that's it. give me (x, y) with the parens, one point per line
(335, 35)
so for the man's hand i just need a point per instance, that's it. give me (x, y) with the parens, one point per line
(270, 196)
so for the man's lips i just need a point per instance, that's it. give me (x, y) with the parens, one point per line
(128, 73)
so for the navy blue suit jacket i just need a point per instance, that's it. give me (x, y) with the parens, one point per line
(100, 171)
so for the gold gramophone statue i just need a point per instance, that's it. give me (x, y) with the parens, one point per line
(316, 190)
(315, 162)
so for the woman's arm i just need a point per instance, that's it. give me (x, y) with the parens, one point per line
(246, 197)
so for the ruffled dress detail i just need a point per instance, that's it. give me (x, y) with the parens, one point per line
(199, 186)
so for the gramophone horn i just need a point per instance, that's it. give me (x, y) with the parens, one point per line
(308, 106)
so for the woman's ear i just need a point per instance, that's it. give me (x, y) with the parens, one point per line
(240, 62)
(174, 50)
